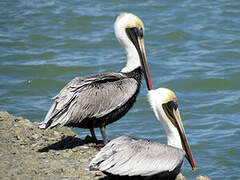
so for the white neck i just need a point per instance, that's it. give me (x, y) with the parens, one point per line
(133, 60)
(173, 137)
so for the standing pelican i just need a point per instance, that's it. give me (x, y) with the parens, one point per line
(98, 100)
(129, 158)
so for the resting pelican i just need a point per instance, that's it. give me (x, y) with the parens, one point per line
(129, 158)
(98, 100)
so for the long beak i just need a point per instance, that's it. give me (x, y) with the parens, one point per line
(143, 59)
(184, 138)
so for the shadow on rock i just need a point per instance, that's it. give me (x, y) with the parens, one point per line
(68, 142)
(105, 178)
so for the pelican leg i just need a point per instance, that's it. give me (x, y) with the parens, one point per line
(102, 129)
(93, 134)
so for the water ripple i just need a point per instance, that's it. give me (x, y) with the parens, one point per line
(192, 47)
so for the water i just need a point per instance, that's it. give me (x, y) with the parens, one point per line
(192, 48)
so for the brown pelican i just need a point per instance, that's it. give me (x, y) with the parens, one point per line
(129, 158)
(97, 100)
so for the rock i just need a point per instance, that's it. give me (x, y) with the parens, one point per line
(203, 178)
(180, 177)
(56, 134)
(36, 136)
(27, 152)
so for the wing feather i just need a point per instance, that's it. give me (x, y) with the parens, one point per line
(126, 156)
(89, 97)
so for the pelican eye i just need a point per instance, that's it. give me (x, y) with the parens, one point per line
(132, 34)
(168, 108)
(172, 105)
(139, 31)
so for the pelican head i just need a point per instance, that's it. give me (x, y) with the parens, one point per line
(164, 104)
(129, 30)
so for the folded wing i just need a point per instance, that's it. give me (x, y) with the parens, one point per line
(126, 156)
(89, 97)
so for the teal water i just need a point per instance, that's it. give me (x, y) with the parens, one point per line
(193, 47)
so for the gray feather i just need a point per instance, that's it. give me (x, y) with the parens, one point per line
(88, 97)
(126, 156)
